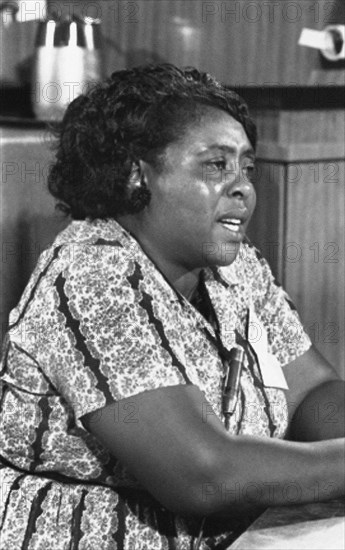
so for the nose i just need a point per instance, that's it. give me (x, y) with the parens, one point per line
(240, 188)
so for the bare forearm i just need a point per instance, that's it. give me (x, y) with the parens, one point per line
(321, 415)
(275, 473)
(195, 467)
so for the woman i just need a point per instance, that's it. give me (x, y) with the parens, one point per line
(123, 424)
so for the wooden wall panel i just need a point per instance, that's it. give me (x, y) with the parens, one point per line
(266, 228)
(242, 42)
(28, 220)
(299, 225)
(312, 125)
(314, 266)
(300, 219)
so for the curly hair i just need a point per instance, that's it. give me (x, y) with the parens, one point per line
(132, 116)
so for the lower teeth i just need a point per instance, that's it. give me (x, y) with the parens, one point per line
(232, 227)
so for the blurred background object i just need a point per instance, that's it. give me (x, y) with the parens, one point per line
(49, 52)
(22, 11)
(330, 41)
(67, 60)
(18, 26)
(244, 43)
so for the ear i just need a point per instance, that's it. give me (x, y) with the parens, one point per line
(140, 174)
(138, 194)
(134, 180)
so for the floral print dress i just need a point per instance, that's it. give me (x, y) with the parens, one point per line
(97, 323)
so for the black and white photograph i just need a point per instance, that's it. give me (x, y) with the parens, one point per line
(172, 363)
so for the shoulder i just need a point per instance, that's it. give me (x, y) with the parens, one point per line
(96, 249)
(85, 258)
(98, 264)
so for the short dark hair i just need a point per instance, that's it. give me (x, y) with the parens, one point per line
(132, 116)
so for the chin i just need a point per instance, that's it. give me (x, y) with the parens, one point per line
(220, 254)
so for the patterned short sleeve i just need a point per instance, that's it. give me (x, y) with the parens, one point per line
(107, 348)
(287, 337)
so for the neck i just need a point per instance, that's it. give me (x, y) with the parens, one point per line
(187, 283)
(182, 278)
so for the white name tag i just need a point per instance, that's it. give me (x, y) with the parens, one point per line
(271, 371)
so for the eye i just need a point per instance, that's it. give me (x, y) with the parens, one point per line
(249, 172)
(217, 164)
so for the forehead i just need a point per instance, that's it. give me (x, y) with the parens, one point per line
(215, 129)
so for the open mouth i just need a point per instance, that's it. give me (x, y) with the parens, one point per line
(234, 224)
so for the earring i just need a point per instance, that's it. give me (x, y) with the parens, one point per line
(140, 197)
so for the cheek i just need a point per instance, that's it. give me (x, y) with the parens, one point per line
(251, 208)
(197, 199)
(253, 200)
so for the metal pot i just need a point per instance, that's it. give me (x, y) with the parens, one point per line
(68, 58)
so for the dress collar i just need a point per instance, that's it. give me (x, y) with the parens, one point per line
(92, 230)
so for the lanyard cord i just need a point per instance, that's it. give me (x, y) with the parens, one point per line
(232, 360)
(209, 313)
(202, 302)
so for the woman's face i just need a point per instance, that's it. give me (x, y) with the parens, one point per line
(203, 199)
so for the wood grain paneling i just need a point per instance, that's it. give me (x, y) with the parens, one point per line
(314, 266)
(28, 221)
(292, 152)
(312, 125)
(266, 228)
(299, 225)
(242, 42)
(300, 220)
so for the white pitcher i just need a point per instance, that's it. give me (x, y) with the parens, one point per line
(68, 58)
